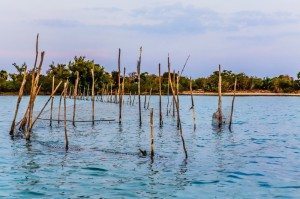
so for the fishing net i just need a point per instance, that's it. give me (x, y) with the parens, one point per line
(83, 113)
(225, 116)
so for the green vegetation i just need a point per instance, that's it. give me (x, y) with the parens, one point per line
(10, 83)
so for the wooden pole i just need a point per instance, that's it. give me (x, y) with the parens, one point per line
(121, 96)
(150, 93)
(93, 94)
(65, 116)
(219, 115)
(168, 92)
(59, 106)
(145, 99)
(177, 96)
(232, 104)
(75, 96)
(177, 108)
(51, 96)
(52, 99)
(151, 134)
(160, 104)
(139, 85)
(192, 101)
(21, 91)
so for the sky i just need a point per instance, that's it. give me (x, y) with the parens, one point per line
(258, 37)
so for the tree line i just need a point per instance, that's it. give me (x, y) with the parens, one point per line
(10, 82)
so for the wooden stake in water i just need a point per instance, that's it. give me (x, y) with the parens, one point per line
(52, 99)
(160, 111)
(121, 97)
(51, 96)
(75, 96)
(59, 107)
(148, 104)
(232, 104)
(119, 86)
(65, 116)
(192, 101)
(139, 85)
(21, 90)
(145, 99)
(151, 134)
(219, 115)
(173, 102)
(93, 95)
(177, 110)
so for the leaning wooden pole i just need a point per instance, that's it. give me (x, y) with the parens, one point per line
(220, 119)
(151, 135)
(52, 99)
(160, 103)
(177, 109)
(21, 91)
(193, 104)
(65, 116)
(75, 96)
(139, 85)
(232, 104)
(51, 96)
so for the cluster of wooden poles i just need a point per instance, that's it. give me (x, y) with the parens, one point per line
(27, 122)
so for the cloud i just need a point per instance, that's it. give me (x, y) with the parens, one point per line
(178, 19)
(58, 23)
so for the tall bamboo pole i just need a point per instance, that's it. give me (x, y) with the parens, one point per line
(21, 90)
(75, 96)
(52, 99)
(177, 95)
(160, 111)
(232, 104)
(151, 134)
(139, 85)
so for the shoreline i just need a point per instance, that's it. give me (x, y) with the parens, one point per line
(240, 94)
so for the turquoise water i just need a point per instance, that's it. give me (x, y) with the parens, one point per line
(260, 158)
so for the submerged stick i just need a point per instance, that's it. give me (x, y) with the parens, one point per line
(193, 105)
(160, 111)
(151, 135)
(21, 91)
(232, 104)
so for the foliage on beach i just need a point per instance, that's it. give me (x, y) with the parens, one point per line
(10, 82)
